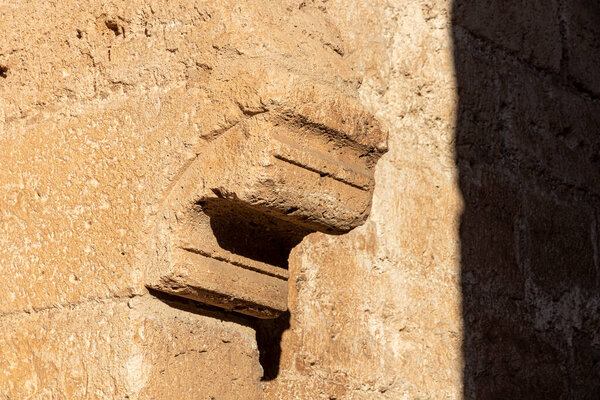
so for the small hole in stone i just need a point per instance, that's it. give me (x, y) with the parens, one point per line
(3, 71)
(79, 34)
(113, 26)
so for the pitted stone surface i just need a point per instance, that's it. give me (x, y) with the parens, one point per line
(475, 275)
(302, 163)
(103, 106)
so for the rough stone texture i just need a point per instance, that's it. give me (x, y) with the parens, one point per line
(527, 152)
(195, 354)
(103, 104)
(476, 275)
(228, 223)
(528, 29)
(376, 313)
(126, 94)
(495, 296)
(139, 348)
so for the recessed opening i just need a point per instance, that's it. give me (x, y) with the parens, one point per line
(113, 26)
(3, 71)
(253, 232)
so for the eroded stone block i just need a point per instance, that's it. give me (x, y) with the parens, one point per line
(140, 348)
(298, 164)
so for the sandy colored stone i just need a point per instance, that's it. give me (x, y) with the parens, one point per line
(103, 106)
(474, 276)
(141, 348)
(376, 313)
(298, 163)
(126, 96)
(195, 353)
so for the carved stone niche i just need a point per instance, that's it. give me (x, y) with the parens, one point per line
(234, 214)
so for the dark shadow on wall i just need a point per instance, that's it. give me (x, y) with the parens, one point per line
(528, 155)
(195, 307)
(268, 340)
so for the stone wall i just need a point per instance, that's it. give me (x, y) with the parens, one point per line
(102, 105)
(476, 275)
(527, 152)
(376, 313)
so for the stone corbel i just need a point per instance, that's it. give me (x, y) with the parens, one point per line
(231, 219)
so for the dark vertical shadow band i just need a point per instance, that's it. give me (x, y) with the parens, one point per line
(528, 152)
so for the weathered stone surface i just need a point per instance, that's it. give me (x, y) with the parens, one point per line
(84, 352)
(522, 150)
(387, 295)
(110, 75)
(551, 140)
(191, 353)
(228, 223)
(140, 348)
(475, 275)
(103, 105)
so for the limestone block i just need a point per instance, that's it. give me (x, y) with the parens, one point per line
(376, 313)
(102, 105)
(69, 206)
(302, 163)
(345, 340)
(361, 307)
(194, 353)
(140, 348)
(70, 353)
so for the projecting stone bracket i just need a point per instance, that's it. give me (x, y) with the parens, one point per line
(233, 216)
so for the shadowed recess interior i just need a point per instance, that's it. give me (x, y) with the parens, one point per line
(255, 232)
